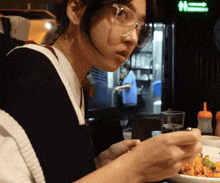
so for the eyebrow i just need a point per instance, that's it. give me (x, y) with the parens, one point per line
(142, 17)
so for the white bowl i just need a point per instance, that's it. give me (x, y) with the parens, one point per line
(213, 141)
(214, 155)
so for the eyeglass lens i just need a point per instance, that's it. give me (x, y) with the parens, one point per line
(127, 22)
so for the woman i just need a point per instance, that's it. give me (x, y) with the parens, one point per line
(43, 132)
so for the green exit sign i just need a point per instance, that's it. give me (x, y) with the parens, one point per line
(196, 7)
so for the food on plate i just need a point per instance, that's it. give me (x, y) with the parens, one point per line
(201, 167)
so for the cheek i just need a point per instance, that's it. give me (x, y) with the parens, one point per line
(99, 34)
(104, 34)
(114, 37)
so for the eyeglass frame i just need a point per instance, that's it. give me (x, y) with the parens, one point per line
(137, 24)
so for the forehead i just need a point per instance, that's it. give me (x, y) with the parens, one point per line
(139, 8)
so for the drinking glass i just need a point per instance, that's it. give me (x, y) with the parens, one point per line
(172, 121)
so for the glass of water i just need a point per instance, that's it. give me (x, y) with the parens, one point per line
(172, 121)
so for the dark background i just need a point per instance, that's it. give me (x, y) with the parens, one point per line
(196, 62)
(22, 4)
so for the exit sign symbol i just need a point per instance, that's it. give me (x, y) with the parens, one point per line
(185, 6)
(198, 4)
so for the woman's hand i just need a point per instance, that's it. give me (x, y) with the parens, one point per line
(162, 156)
(114, 151)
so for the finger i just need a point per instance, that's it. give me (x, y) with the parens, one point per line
(184, 137)
(117, 150)
(184, 153)
(122, 147)
(131, 143)
(192, 148)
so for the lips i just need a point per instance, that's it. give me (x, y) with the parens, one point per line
(123, 53)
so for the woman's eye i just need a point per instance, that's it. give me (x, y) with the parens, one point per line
(122, 16)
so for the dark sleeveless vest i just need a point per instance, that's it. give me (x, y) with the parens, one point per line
(34, 95)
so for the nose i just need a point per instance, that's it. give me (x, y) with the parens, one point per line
(131, 38)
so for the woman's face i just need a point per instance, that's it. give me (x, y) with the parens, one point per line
(113, 48)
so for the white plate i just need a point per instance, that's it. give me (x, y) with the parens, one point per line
(213, 141)
(214, 155)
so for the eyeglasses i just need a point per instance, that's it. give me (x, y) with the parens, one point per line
(127, 20)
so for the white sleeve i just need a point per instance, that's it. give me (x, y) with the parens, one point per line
(18, 161)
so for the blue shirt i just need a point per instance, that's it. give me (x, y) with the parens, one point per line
(129, 95)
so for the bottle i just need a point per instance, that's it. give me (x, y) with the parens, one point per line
(217, 129)
(205, 121)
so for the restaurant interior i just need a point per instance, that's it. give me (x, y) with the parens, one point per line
(178, 69)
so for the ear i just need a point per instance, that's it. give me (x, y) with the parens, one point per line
(75, 11)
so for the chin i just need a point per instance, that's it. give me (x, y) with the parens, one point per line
(110, 68)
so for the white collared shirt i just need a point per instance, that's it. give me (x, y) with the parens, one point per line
(71, 76)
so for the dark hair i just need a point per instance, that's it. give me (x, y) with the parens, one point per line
(92, 6)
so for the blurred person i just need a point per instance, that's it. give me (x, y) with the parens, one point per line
(128, 87)
(129, 95)
(43, 134)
